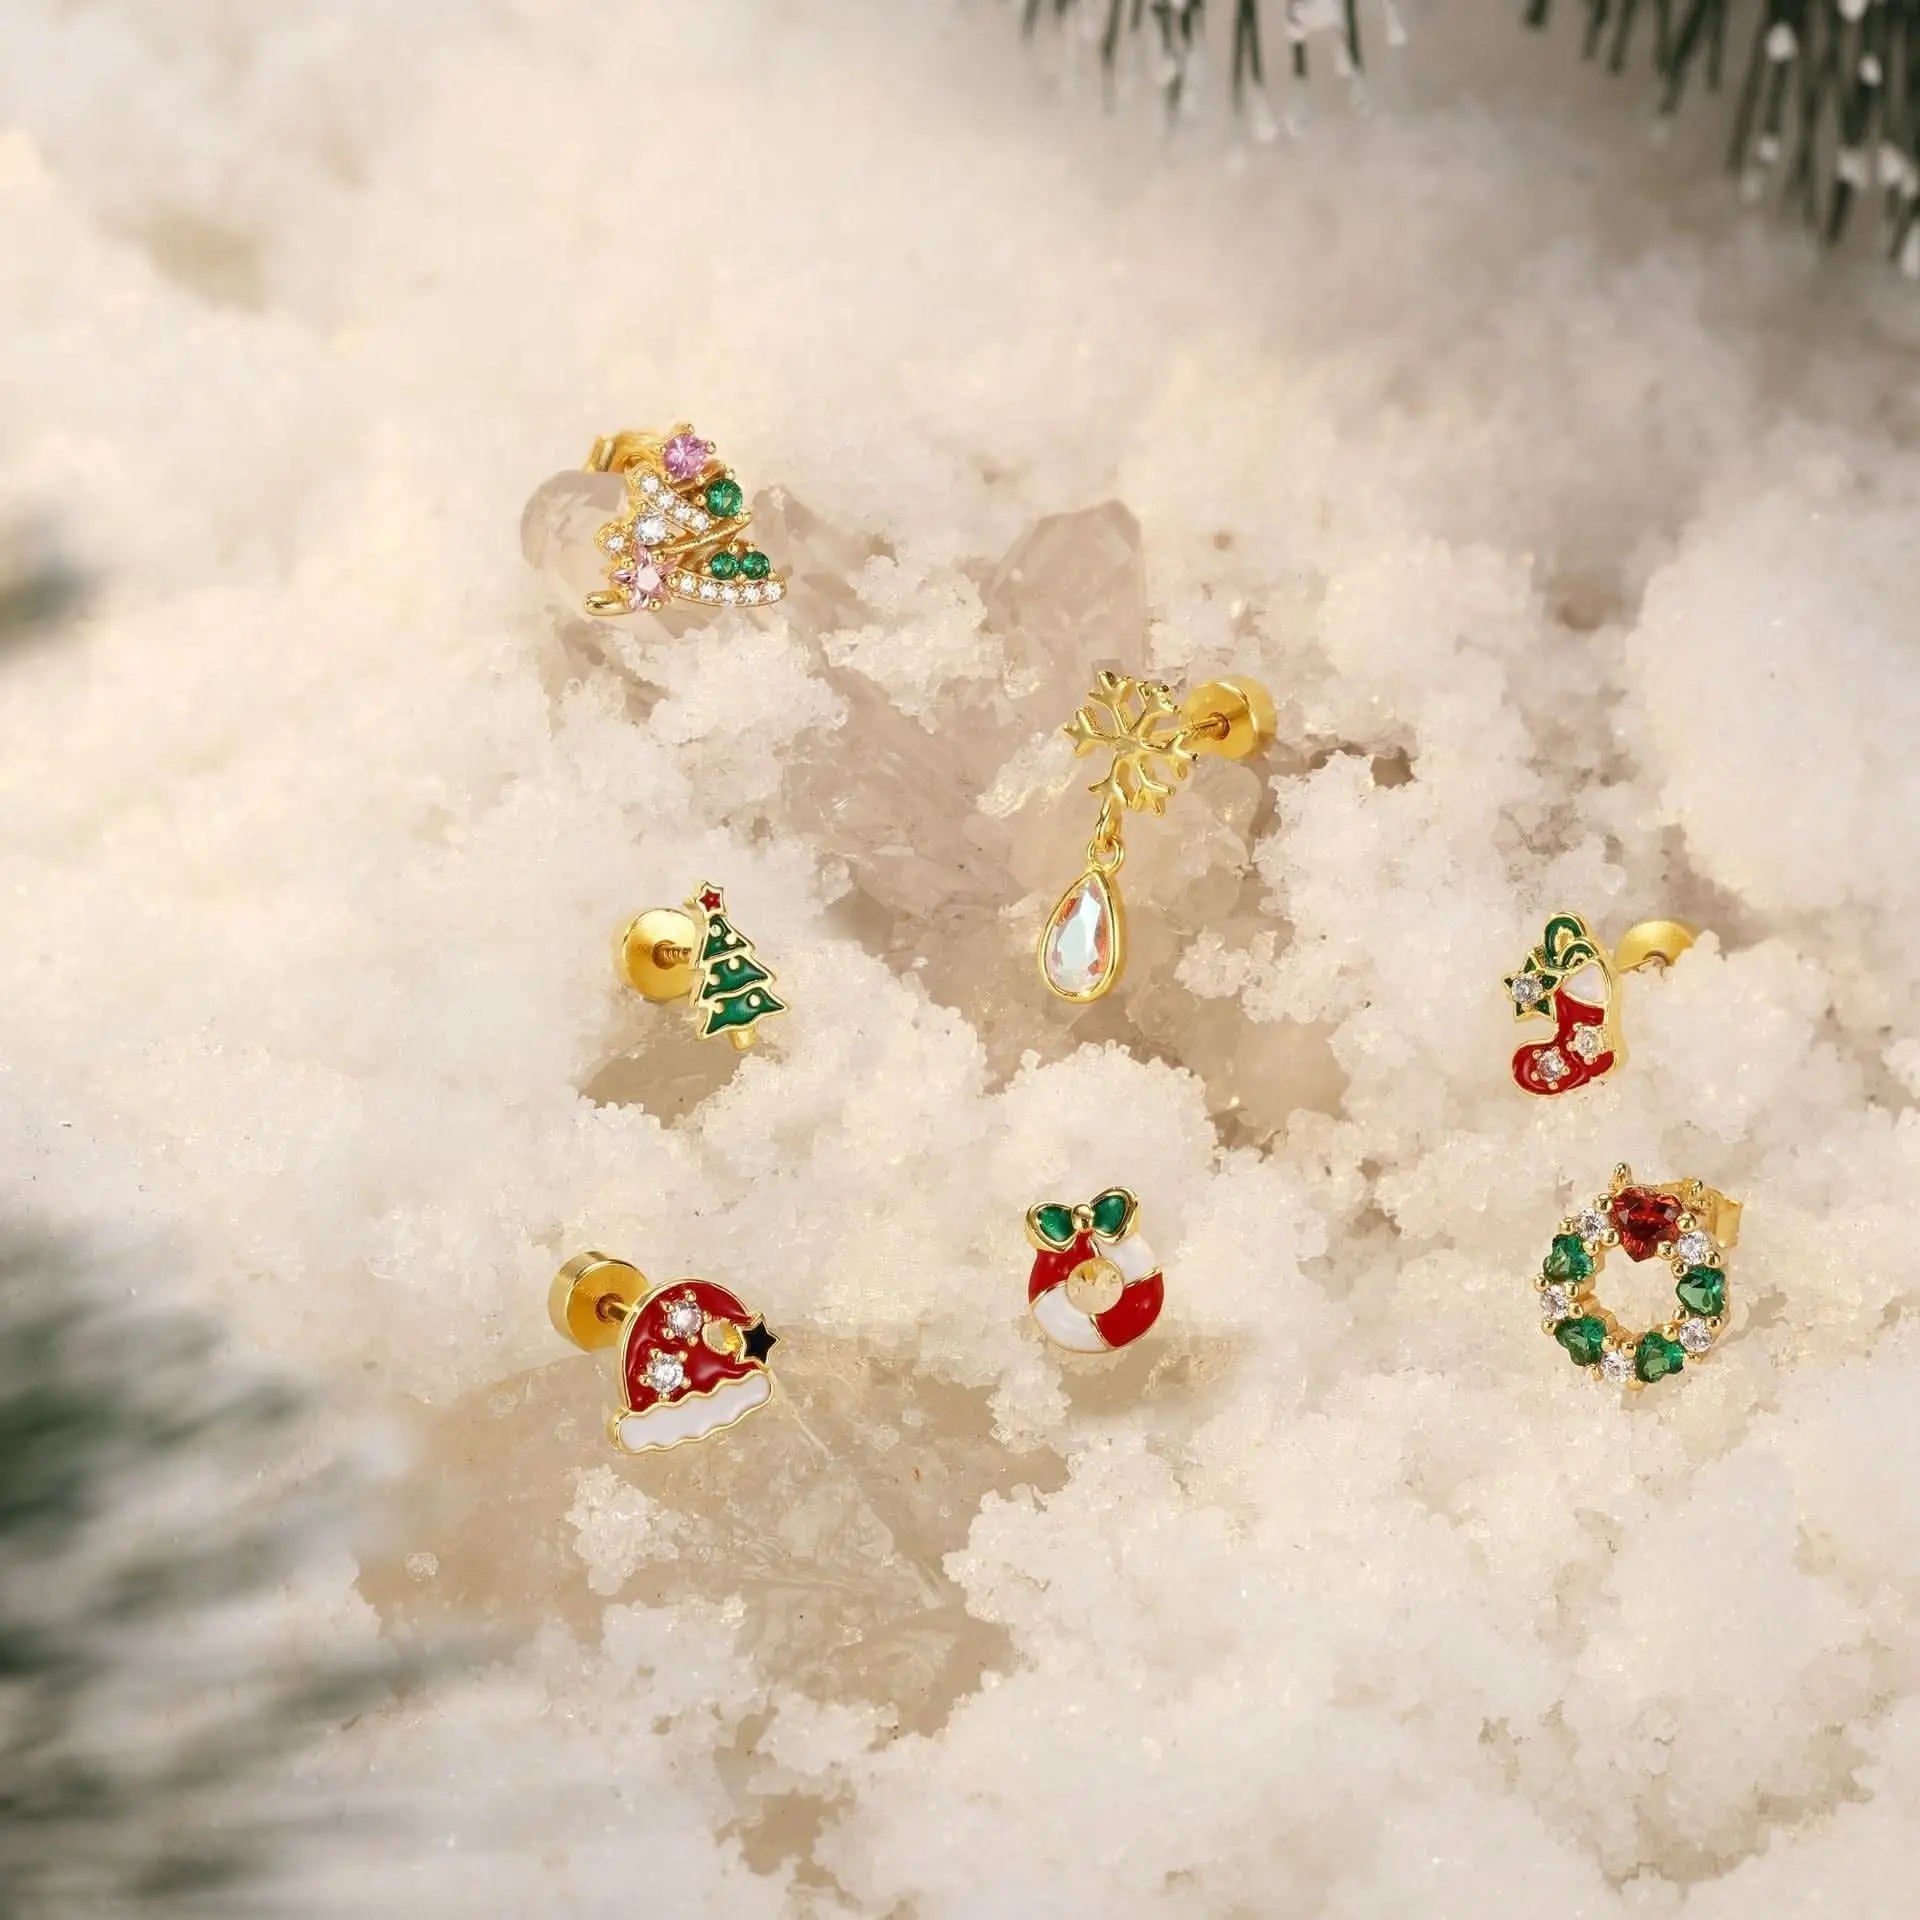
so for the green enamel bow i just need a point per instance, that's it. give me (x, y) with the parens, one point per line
(1107, 1216)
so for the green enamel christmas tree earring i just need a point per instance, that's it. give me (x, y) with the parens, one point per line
(698, 955)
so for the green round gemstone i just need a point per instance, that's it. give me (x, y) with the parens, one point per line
(755, 564)
(1656, 1356)
(1585, 1339)
(1569, 1262)
(1703, 1290)
(723, 566)
(723, 498)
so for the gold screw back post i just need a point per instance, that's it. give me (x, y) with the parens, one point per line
(592, 1297)
(1653, 943)
(1231, 718)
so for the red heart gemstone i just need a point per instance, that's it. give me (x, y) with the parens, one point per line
(1643, 1220)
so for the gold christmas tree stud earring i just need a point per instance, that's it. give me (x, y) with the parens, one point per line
(1686, 1225)
(681, 534)
(700, 956)
(693, 1358)
(1571, 979)
(1152, 740)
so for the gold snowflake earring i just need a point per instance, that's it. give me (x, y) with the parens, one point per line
(699, 956)
(1153, 740)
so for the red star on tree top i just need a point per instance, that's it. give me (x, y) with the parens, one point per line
(710, 899)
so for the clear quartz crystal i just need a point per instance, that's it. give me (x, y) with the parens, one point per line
(1695, 1248)
(1616, 1364)
(560, 532)
(685, 1319)
(1591, 1225)
(1556, 1303)
(1586, 1043)
(1695, 1335)
(1527, 989)
(1553, 1064)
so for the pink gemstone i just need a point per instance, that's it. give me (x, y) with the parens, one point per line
(686, 455)
(643, 581)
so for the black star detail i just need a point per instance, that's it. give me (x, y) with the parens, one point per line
(756, 1343)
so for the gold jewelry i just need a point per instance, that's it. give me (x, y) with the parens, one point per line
(679, 536)
(1153, 739)
(701, 957)
(1684, 1223)
(693, 1359)
(1572, 980)
(1094, 1284)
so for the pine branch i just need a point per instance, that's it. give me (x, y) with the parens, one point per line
(147, 1505)
(1828, 102)
(1176, 31)
(1830, 87)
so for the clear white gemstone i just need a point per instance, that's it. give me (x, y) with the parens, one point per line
(1553, 1065)
(700, 523)
(683, 580)
(730, 594)
(1586, 1042)
(1591, 1225)
(1616, 1364)
(1556, 1303)
(1527, 989)
(665, 1372)
(708, 590)
(650, 485)
(1077, 953)
(1695, 1248)
(1695, 1335)
(774, 589)
(685, 1319)
(651, 530)
(750, 594)
(615, 541)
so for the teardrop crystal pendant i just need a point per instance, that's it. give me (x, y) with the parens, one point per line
(1080, 949)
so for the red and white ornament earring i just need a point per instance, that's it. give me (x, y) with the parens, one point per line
(693, 1358)
(1095, 1285)
(1571, 979)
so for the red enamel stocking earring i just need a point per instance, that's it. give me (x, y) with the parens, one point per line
(1572, 980)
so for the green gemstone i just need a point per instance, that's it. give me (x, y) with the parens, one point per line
(1703, 1290)
(1569, 1262)
(1585, 1339)
(1656, 1356)
(723, 566)
(1055, 1224)
(1110, 1212)
(723, 498)
(755, 564)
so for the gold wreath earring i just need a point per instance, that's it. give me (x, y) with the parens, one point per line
(681, 534)
(693, 1357)
(1153, 739)
(699, 956)
(1685, 1224)
(1571, 979)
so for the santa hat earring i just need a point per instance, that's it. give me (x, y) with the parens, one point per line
(693, 1358)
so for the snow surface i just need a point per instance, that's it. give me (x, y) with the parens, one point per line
(1570, 514)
